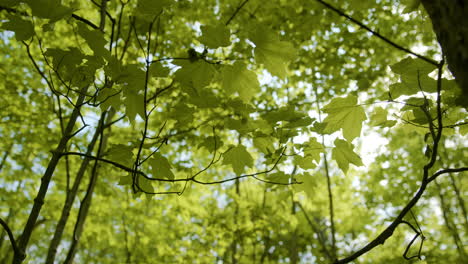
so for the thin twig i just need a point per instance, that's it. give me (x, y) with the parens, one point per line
(236, 11)
(341, 13)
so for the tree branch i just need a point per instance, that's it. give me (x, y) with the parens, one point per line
(360, 24)
(17, 251)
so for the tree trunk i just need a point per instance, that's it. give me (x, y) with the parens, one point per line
(87, 200)
(71, 198)
(450, 23)
(45, 180)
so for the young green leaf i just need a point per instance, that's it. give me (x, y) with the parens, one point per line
(160, 166)
(151, 8)
(345, 114)
(215, 36)
(144, 184)
(271, 52)
(95, 40)
(379, 118)
(196, 74)
(413, 77)
(134, 105)
(121, 154)
(158, 70)
(343, 154)
(312, 148)
(237, 78)
(49, 9)
(23, 29)
(239, 158)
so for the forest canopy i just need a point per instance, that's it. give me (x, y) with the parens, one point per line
(234, 131)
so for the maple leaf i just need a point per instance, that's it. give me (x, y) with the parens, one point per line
(214, 36)
(273, 53)
(23, 29)
(49, 9)
(196, 74)
(95, 40)
(237, 78)
(413, 77)
(121, 153)
(343, 154)
(239, 158)
(134, 105)
(379, 118)
(161, 167)
(343, 113)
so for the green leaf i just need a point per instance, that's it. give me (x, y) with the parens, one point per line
(144, 184)
(109, 97)
(413, 77)
(68, 59)
(264, 144)
(209, 143)
(195, 75)
(345, 114)
(306, 162)
(215, 36)
(49, 9)
(308, 184)
(182, 113)
(158, 70)
(285, 113)
(121, 154)
(151, 8)
(343, 154)
(239, 158)
(95, 40)
(379, 118)
(312, 149)
(279, 177)
(160, 167)
(411, 66)
(238, 79)
(134, 104)
(23, 29)
(271, 52)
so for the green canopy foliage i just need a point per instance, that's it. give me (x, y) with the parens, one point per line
(237, 131)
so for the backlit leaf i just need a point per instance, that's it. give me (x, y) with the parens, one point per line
(344, 155)
(160, 167)
(345, 114)
(237, 78)
(239, 158)
(214, 36)
(271, 52)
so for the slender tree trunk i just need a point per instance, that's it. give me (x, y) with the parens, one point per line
(450, 23)
(86, 202)
(71, 198)
(46, 178)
